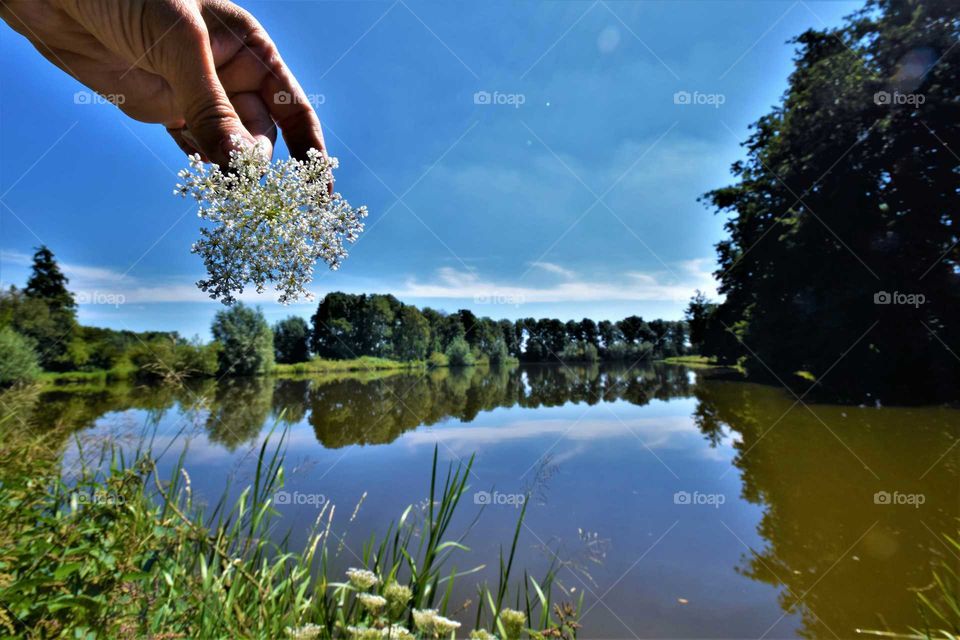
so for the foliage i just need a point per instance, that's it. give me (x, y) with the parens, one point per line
(365, 363)
(846, 200)
(173, 359)
(246, 342)
(459, 353)
(411, 337)
(18, 360)
(349, 326)
(135, 557)
(45, 311)
(438, 360)
(291, 340)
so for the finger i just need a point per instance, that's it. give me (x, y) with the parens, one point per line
(185, 145)
(256, 119)
(214, 126)
(288, 105)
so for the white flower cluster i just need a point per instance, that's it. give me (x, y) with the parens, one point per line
(430, 622)
(268, 222)
(362, 578)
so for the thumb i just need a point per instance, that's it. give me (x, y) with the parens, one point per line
(211, 120)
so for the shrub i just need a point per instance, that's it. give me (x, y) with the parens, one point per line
(437, 360)
(498, 353)
(174, 359)
(18, 360)
(459, 354)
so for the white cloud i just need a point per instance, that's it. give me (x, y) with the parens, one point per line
(676, 285)
(550, 267)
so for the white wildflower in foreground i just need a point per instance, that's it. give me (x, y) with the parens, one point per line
(362, 578)
(430, 622)
(396, 632)
(268, 222)
(306, 632)
(371, 602)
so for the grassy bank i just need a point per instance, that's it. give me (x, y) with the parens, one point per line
(691, 361)
(122, 553)
(363, 363)
(86, 377)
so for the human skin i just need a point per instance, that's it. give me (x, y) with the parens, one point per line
(204, 69)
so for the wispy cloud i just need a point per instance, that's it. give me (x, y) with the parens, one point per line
(550, 267)
(99, 285)
(632, 286)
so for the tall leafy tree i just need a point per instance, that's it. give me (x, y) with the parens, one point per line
(291, 340)
(848, 196)
(411, 335)
(246, 342)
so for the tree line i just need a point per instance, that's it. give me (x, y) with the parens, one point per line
(352, 325)
(39, 331)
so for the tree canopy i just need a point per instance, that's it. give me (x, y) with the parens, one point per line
(842, 255)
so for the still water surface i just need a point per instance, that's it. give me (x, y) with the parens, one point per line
(680, 504)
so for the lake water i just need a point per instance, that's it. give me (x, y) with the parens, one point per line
(680, 504)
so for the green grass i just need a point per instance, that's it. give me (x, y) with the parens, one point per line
(86, 377)
(363, 363)
(122, 553)
(691, 361)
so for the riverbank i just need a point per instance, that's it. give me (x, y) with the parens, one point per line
(134, 556)
(691, 361)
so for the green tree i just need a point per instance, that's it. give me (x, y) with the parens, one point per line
(291, 340)
(246, 342)
(411, 335)
(46, 312)
(609, 334)
(18, 360)
(849, 191)
(511, 337)
(459, 353)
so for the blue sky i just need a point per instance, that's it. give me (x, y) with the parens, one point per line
(572, 192)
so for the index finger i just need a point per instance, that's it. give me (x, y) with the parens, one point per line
(291, 109)
(285, 100)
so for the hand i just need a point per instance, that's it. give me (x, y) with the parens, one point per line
(204, 69)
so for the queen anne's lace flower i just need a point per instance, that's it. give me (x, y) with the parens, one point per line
(371, 602)
(306, 632)
(396, 632)
(268, 222)
(430, 622)
(362, 578)
(397, 596)
(513, 623)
